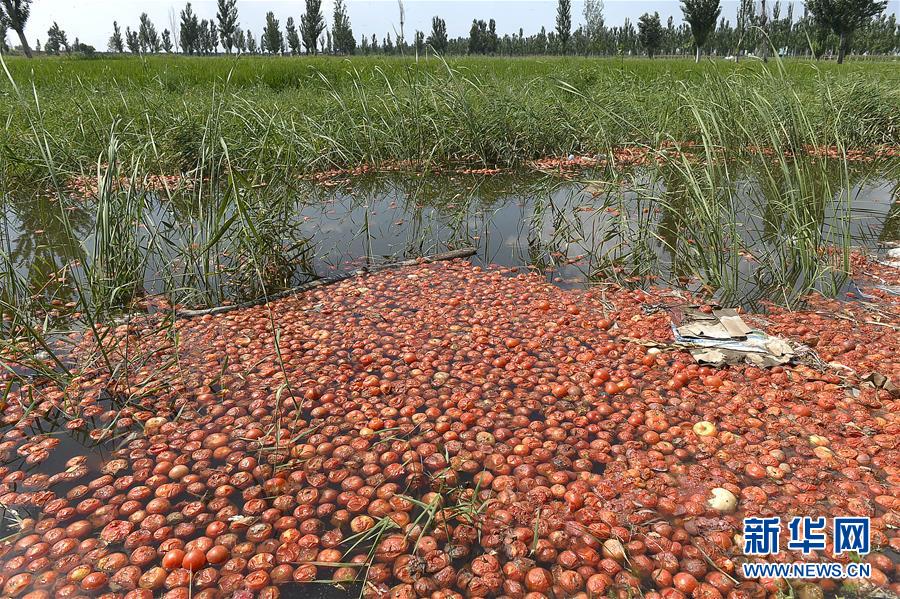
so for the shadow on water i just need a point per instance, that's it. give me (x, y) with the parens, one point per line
(319, 591)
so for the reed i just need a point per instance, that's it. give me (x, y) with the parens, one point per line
(293, 115)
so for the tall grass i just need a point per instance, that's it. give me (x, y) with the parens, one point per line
(294, 115)
(771, 224)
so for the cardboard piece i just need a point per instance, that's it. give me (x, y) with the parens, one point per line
(722, 337)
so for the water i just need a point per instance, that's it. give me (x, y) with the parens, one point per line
(199, 251)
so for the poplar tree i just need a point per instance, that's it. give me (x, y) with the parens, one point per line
(438, 37)
(116, 43)
(844, 17)
(650, 32)
(701, 15)
(593, 22)
(342, 32)
(132, 41)
(272, 38)
(227, 16)
(15, 14)
(293, 40)
(189, 36)
(147, 35)
(3, 27)
(564, 23)
(312, 24)
(56, 40)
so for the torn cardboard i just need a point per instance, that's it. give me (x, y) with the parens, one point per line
(722, 337)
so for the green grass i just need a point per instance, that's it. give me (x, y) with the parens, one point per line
(300, 114)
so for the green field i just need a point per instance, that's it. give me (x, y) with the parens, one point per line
(301, 114)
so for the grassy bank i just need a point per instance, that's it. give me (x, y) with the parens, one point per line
(294, 114)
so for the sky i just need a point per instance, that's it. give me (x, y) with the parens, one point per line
(91, 20)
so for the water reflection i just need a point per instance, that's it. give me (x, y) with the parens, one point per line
(36, 241)
(750, 237)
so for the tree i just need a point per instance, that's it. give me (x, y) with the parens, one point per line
(251, 42)
(342, 32)
(493, 42)
(701, 15)
(3, 27)
(438, 37)
(478, 37)
(15, 14)
(227, 16)
(780, 28)
(539, 44)
(844, 17)
(272, 38)
(293, 40)
(564, 23)
(116, 44)
(593, 22)
(650, 32)
(240, 41)
(147, 35)
(312, 24)
(746, 16)
(190, 31)
(85, 49)
(167, 41)
(762, 23)
(203, 41)
(56, 40)
(207, 37)
(132, 41)
(419, 41)
(213, 37)
(401, 37)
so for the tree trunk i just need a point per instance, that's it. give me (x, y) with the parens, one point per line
(842, 51)
(25, 48)
(697, 58)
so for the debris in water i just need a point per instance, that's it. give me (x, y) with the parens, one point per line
(719, 337)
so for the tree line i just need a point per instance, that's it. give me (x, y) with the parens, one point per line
(834, 27)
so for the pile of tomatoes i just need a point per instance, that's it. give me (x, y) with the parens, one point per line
(442, 431)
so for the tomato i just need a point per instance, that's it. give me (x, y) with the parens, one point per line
(172, 559)
(194, 560)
